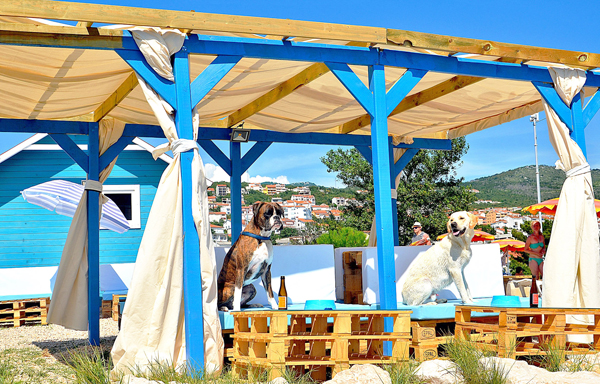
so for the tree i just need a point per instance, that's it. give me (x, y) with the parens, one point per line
(428, 191)
(344, 237)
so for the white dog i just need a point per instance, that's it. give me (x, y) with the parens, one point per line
(443, 263)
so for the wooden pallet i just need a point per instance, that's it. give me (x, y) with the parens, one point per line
(16, 313)
(115, 306)
(264, 342)
(528, 331)
(352, 266)
(428, 335)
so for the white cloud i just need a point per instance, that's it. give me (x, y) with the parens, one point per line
(215, 173)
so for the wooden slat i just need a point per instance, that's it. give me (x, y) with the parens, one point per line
(110, 14)
(116, 97)
(491, 48)
(414, 100)
(80, 29)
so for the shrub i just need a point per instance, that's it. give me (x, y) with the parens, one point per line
(344, 237)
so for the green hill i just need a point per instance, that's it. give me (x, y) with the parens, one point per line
(517, 187)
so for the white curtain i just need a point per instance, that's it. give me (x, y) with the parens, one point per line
(152, 327)
(69, 304)
(398, 152)
(572, 266)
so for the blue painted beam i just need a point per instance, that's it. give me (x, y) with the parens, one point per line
(556, 103)
(114, 151)
(72, 149)
(591, 108)
(402, 87)
(353, 84)
(192, 277)
(365, 152)
(235, 154)
(211, 75)
(404, 160)
(136, 60)
(433, 144)
(44, 126)
(394, 200)
(93, 233)
(578, 133)
(253, 154)
(288, 50)
(216, 154)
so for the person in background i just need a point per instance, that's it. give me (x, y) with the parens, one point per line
(519, 271)
(535, 246)
(420, 237)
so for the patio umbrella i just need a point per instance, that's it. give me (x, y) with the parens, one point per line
(479, 236)
(548, 207)
(510, 245)
(63, 197)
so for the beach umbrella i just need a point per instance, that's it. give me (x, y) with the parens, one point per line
(510, 245)
(548, 207)
(63, 197)
(479, 236)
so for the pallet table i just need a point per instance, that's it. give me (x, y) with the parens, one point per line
(263, 342)
(15, 313)
(528, 331)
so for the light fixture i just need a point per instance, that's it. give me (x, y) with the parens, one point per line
(239, 135)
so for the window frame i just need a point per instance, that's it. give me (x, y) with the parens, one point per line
(134, 191)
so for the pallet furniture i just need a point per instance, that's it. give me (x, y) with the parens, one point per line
(528, 331)
(263, 342)
(115, 311)
(16, 313)
(352, 266)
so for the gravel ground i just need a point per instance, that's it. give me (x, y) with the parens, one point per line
(35, 354)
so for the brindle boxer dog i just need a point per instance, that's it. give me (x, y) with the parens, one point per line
(249, 259)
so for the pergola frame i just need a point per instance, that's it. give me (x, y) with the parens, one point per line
(184, 94)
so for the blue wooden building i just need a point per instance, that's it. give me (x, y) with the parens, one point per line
(31, 236)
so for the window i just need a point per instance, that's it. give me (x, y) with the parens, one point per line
(127, 198)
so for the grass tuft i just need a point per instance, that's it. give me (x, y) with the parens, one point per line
(91, 365)
(404, 372)
(466, 356)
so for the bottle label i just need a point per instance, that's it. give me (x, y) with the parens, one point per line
(534, 299)
(282, 302)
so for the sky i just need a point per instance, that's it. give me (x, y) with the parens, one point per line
(547, 23)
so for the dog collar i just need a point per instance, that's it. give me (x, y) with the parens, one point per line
(259, 237)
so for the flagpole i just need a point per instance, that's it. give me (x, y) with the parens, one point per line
(534, 119)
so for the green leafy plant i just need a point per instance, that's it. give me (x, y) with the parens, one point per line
(404, 372)
(344, 237)
(466, 355)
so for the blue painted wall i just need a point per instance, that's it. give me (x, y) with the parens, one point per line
(31, 236)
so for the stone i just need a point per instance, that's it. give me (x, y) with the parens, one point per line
(362, 374)
(439, 372)
(519, 372)
(279, 380)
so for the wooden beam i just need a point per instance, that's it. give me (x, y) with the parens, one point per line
(53, 35)
(111, 14)
(491, 48)
(414, 100)
(85, 24)
(282, 90)
(116, 97)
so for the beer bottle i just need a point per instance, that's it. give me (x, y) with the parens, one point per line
(283, 300)
(533, 294)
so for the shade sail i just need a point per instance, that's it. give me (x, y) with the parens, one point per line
(63, 196)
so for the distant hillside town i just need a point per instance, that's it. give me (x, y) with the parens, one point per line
(300, 210)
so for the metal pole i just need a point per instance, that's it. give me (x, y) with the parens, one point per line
(534, 119)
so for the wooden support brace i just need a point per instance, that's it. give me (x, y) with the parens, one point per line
(354, 85)
(72, 149)
(551, 97)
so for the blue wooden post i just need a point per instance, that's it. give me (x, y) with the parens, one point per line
(393, 175)
(383, 196)
(192, 281)
(93, 224)
(235, 155)
(578, 132)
